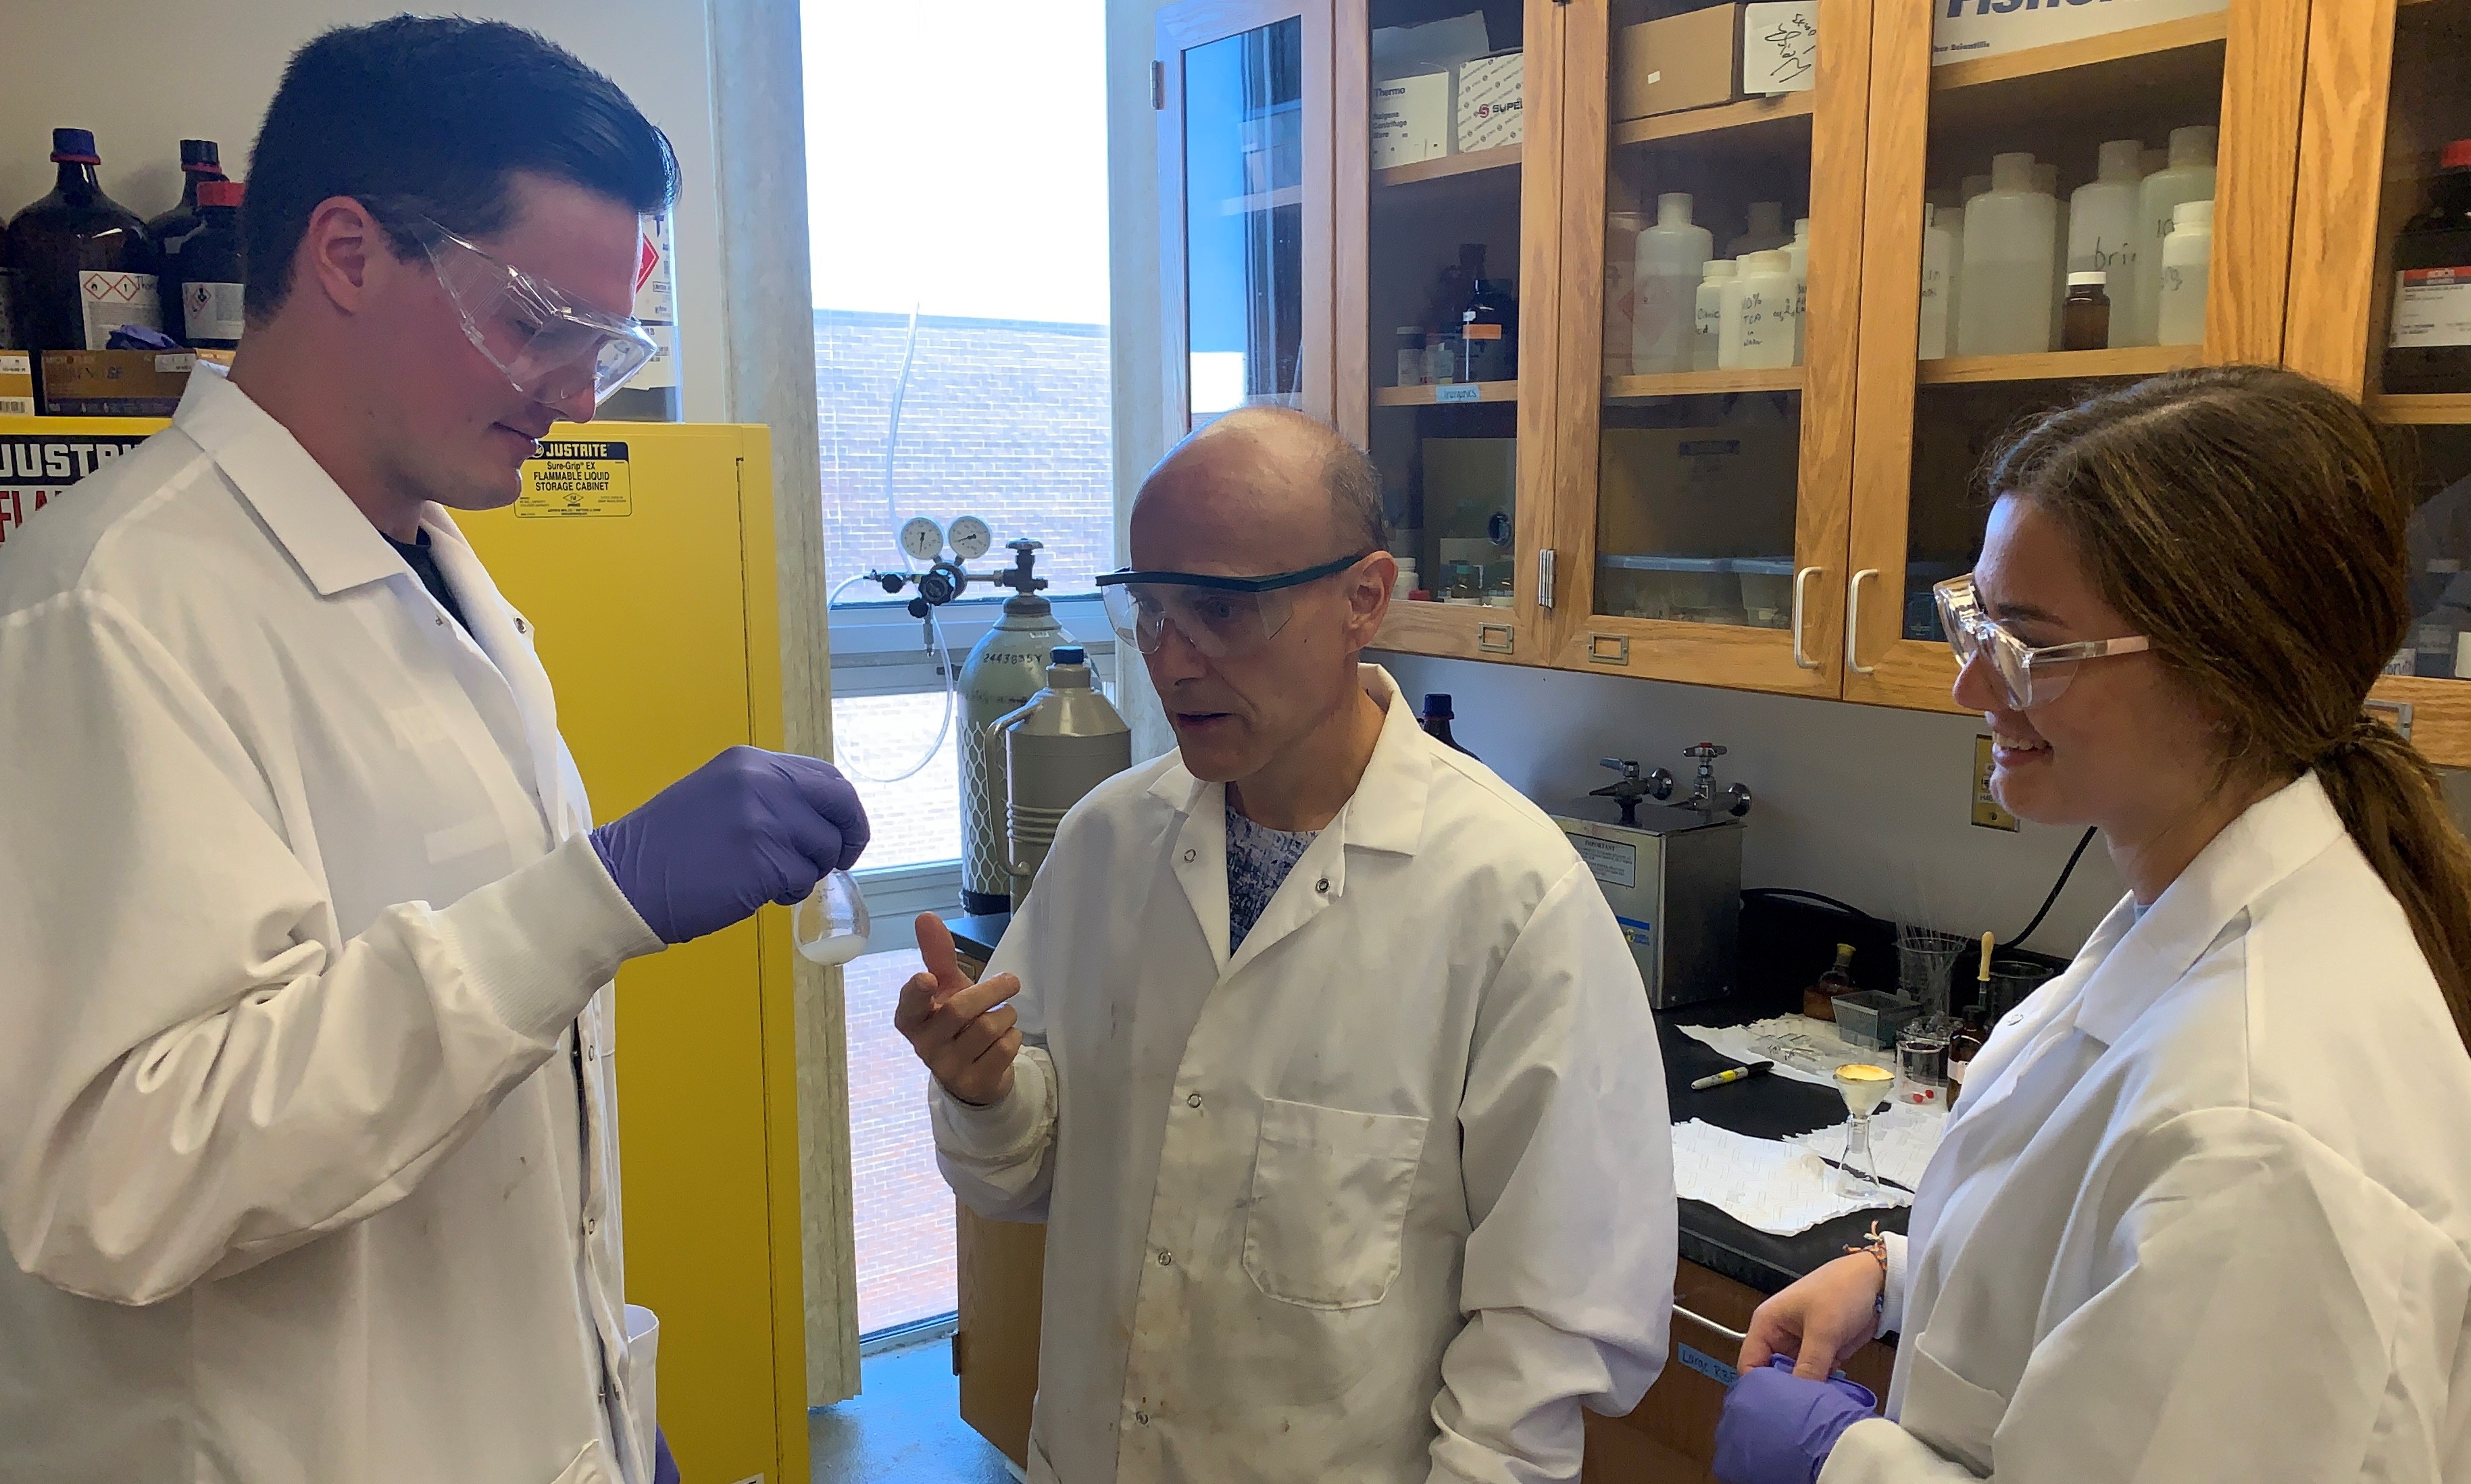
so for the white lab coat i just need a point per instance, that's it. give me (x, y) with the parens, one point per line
(1384, 1197)
(294, 1168)
(2205, 1209)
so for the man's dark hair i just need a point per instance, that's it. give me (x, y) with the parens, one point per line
(428, 116)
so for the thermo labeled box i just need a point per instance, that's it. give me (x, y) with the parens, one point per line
(1411, 119)
(1986, 28)
(1682, 62)
(1489, 110)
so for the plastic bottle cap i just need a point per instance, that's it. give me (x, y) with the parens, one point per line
(2121, 159)
(2096, 277)
(2011, 171)
(73, 147)
(2193, 214)
(1802, 226)
(1437, 705)
(201, 154)
(2456, 155)
(1719, 268)
(1673, 209)
(220, 193)
(1067, 654)
(2193, 145)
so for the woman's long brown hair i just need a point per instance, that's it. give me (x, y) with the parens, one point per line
(2245, 520)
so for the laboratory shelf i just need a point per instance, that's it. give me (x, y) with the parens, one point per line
(1702, 384)
(1470, 163)
(1751, 117)
(1432, 396)
(2437, 409)
(2057, 366)
(2136, 56)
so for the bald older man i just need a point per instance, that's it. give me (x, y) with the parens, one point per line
(1315, 1046)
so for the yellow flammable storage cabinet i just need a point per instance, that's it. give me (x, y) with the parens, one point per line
(642, 553)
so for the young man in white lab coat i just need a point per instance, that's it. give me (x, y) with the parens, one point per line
(307, 1167)
(1331, 1075)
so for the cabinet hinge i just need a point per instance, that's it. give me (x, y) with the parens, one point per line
(1158, 84)
(960, 1350)
(1545, 578)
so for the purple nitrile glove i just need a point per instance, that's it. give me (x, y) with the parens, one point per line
(1778, 1429)
(745, 829)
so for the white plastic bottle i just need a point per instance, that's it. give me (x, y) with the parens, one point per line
(1938, 281)
(1766, 233)
(1948, 216)
(2011, 260)
(1970, 187)
(1621, 286)
(2189, 177)
(1729, 316)
(1672, 258)
(2187, 254)
(1767, 311)
(1709, 326)
(2047, 179)
(2102, 220)
(1797, 253)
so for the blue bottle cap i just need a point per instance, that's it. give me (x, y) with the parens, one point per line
(1067, 654)
(1437, 704)
(73, 147)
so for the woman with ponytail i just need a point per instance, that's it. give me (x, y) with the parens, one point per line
(2203, 1212)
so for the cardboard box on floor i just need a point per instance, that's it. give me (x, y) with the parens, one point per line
(1682, 62)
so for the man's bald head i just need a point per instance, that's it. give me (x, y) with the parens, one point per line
(1266, 489)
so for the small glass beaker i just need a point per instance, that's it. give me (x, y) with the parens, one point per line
(1922, 1068)
(831, 925)
(2012, 981)
(1925, 960)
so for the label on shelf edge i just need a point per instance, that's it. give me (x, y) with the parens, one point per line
(1459, 391)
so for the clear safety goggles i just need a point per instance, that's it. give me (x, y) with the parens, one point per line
(550, 345)
(1224, 617)
(2032, 676)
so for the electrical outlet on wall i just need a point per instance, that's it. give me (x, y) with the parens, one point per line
(1987, 812)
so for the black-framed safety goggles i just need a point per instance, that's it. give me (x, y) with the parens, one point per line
(1224, 617)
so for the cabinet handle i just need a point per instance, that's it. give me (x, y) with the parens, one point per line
(1801, 581)
(1705, 1323)
(1854, 623)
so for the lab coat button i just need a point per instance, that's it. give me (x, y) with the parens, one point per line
(1167, 1259)
(1143, 1418)
(589, 1226)
(1192, 1102)
(1190, 856)
(1322, 886)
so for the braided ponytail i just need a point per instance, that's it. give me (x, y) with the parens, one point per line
(2244, 518)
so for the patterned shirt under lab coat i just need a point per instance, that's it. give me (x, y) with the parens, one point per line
(1384, 1197)
(303, 944)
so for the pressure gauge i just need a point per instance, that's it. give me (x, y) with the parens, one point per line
(922, 539)
(970, 538)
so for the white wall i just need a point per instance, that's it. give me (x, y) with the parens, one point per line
(146, 73)
(1135, 341)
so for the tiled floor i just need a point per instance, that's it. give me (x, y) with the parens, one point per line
(903, 1209)
(906, 1427)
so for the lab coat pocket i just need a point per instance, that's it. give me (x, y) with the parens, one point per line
(590, 1466)
(1328, 1209)
(1957, 1418)
(643, 1376)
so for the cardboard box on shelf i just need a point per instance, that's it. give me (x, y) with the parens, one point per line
(1780, 46)
(119, 384)
(1411, 120)
(1698, 492)
(1966, 28)
(1682, 62)
(1491, 115)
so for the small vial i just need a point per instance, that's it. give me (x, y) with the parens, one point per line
(1411, 356)
(2085, 316)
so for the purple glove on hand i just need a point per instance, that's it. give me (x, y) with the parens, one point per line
(745, 829)
(1778, 1429)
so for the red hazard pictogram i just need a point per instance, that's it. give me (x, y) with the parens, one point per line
(646, 260)
(112, 286)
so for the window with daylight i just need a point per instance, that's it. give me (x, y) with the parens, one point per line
(956, 161)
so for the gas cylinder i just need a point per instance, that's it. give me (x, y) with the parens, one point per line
(1003, 670)
(1067, 741)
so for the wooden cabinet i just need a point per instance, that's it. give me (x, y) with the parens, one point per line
(2383, 98)
(1586, 498)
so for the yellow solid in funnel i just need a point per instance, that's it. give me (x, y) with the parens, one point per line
(1864, 1072)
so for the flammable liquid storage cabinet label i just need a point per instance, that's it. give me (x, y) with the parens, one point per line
(578, 478)
(33, 469)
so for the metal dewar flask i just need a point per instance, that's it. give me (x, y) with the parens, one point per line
(1067, 741)
(1005, 669)
(1672, 874)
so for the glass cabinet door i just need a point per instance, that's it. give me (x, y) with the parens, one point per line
(1444, 301)
(1244, 165)
(1712, 219)
(2381, 306)
(2060, 200)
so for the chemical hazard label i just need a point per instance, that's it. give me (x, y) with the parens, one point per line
(2432, 308)
(35, 469)
(578, 478)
